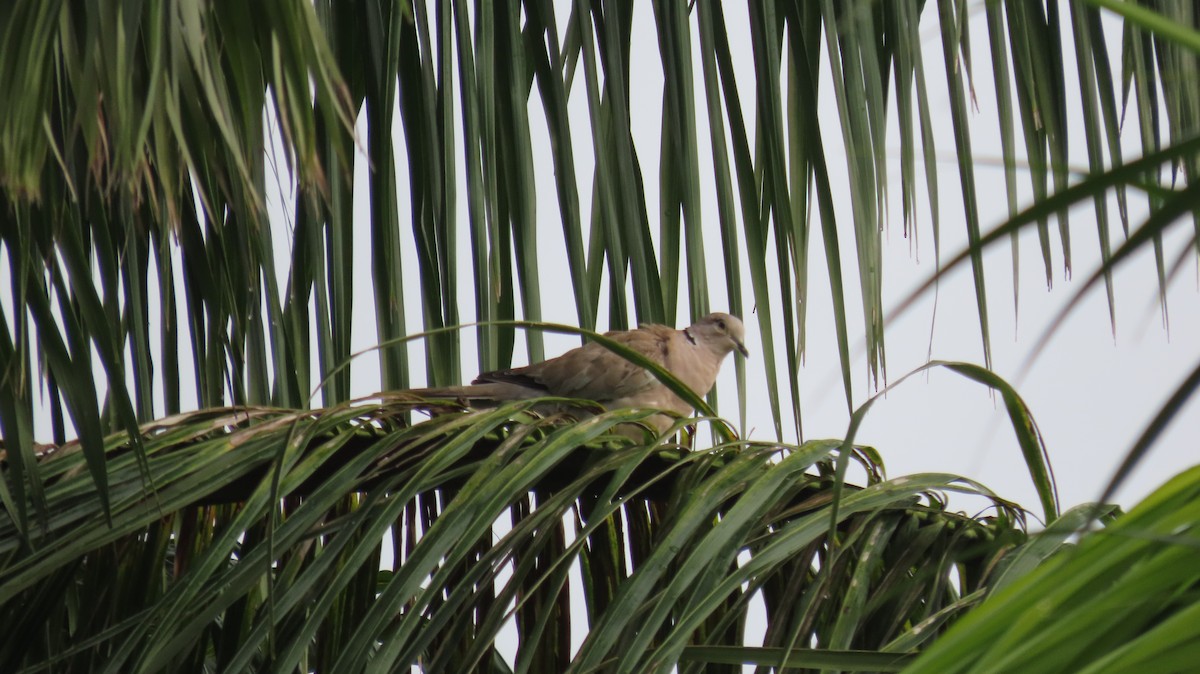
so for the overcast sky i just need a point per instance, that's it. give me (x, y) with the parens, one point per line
(1091, 394)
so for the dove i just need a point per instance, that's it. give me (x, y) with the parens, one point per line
(592, 372)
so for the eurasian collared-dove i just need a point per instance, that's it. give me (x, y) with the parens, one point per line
(592, 372)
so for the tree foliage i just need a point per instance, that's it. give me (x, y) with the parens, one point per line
(191, 511)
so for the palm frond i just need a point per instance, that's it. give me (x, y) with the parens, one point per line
(182, 225)
(260, 543)
(1126, 592)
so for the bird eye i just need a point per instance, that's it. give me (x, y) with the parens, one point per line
(721, 324)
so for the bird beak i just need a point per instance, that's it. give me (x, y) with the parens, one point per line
(742, 349)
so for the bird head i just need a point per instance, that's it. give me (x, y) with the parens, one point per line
(721, 332)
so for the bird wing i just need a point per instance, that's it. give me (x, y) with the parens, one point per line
(592, 372)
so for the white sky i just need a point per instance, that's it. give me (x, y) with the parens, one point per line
(1090, 394)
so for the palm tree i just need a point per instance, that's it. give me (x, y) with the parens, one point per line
(196, 508)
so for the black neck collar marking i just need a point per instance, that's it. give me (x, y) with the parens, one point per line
(687, 332)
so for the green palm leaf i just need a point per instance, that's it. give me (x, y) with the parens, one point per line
(181, 231)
